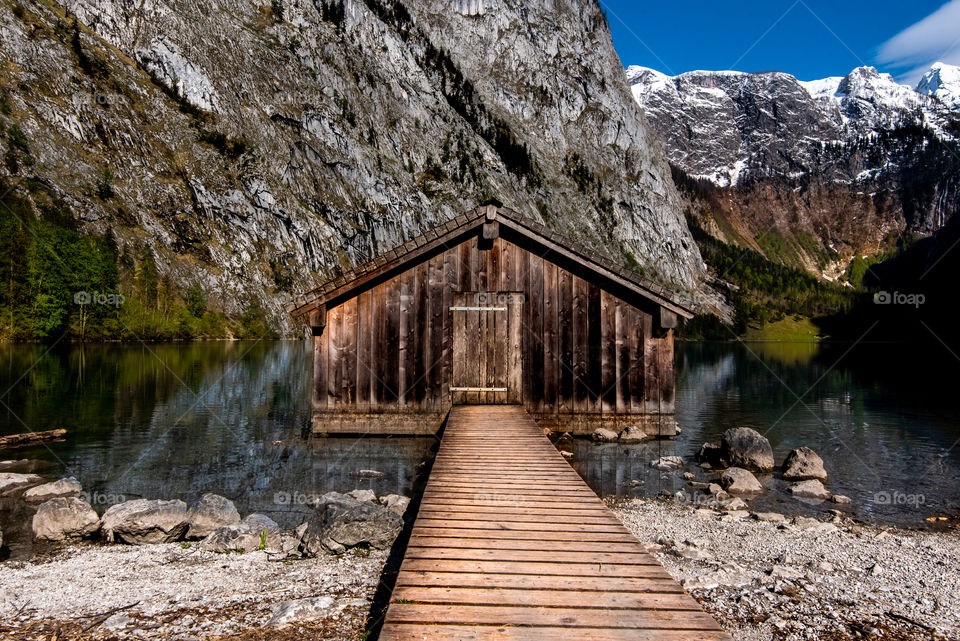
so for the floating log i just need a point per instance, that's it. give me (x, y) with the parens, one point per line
(18, 440)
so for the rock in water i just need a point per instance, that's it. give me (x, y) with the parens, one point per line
(746, 448)
(811, 489)
(633, 434)
(62, 488)
(737, 480)
(803, 464)
(709, 453)
(64, 518)
(603, 435)
(301, 610)
(341, 521)
(144, 521)
(209, 513)
(667, 463)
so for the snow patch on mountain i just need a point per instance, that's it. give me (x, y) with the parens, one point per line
(942, 82)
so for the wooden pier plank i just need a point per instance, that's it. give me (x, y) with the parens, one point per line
(510, 543)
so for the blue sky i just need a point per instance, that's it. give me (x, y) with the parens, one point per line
(807, 38)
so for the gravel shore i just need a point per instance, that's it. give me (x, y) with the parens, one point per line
(803, 578)
(169, 592)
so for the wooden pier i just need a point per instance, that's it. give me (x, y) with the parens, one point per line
(511, 544)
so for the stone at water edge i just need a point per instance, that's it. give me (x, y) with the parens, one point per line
(840, 499)
(363, 495)
(209, 513)
(56, 489)
(689, 476)
(803, 464)
(709, 455)
(747, 448)
(811, 489)
(736, 480)
(769, 517)
(603, 435)
(633, 434)
(666, 463)
(341, 522)
(144, 521)
(64, 518)
(11, 480)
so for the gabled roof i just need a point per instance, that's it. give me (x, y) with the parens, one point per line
(454, 231)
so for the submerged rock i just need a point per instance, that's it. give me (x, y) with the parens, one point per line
(341, 522)
(143, 521)
(209, 513)
(737, 480)
(64, 518)
(745, 447)
(803, 464)
(811, 489)
(62, 488)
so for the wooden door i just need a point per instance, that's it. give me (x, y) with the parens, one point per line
(487, 362)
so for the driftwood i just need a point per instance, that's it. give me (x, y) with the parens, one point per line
(16, 440)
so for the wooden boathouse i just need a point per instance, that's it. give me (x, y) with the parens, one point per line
(491, 308)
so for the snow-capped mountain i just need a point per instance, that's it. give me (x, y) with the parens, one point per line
(851, 161)
(943, 83)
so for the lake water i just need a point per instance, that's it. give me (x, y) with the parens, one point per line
(178, 420)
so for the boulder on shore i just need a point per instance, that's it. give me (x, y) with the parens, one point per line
(64, 518)
(812, 489)
(340, 522)
(603, 435)
(56, 489)
(745, 447)
(803, 464)
(246, 536)
(209, 513)
(363, 495)
(395, 502)
(301, 610)
(736, 480)
(143, 521)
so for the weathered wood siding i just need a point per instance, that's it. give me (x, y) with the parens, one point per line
(584, 350)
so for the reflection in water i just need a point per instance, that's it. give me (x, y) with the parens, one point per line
(889, 445)
(177, 420)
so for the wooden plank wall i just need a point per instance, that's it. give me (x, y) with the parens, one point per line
(584, 351)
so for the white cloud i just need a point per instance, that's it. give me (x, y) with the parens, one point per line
(936, 37)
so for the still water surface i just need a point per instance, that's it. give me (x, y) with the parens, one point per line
(178, 420)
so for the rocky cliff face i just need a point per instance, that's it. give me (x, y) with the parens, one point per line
(827, 169)
(258, 148)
